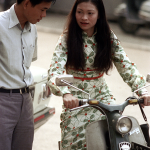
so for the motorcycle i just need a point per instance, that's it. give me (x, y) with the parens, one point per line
(117, 132)
(133, 14)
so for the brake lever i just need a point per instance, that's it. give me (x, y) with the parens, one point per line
(83, 106)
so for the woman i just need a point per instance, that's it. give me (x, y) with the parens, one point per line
(87, 49)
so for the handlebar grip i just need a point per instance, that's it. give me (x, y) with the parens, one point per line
(80, 102)
(141, 101)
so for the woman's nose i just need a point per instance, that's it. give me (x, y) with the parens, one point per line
(84, 17)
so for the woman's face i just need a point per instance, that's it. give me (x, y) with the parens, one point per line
(86, 16)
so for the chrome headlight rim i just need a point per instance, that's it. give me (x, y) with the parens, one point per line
(118, 127)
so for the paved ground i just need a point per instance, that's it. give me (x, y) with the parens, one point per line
(136, 47)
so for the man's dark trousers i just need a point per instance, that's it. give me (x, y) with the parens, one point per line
(16, 121)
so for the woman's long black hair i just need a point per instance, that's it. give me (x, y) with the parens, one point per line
(76, 58)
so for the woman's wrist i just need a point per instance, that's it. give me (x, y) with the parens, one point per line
(66, 94)
(144, 93)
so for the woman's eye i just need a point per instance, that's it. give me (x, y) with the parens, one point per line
(79, 12)
(90, 13)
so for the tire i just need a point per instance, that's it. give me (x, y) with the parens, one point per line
(128, 27)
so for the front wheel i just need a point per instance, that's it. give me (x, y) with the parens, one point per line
(127, 27)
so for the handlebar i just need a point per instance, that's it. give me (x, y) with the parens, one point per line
(82, 101)
(131, 100)
(141, 101)
(109, 108)
(88, 101)
(134, 100)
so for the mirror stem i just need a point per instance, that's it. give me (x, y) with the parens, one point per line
(64, 81)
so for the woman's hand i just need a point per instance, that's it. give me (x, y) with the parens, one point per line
(146, 100)
(70, 101)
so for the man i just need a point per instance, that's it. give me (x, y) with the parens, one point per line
(18, 47)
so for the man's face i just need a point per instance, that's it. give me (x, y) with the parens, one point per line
(36, 13)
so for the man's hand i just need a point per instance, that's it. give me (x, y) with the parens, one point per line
(70, 101)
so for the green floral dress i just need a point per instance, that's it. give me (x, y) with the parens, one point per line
(73, 124)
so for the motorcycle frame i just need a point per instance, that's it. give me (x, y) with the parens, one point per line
(97, 138)
(112, 113)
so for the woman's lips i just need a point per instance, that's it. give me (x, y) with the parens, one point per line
(84, 23)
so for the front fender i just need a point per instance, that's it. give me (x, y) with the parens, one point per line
(97, 135)
(136, 134)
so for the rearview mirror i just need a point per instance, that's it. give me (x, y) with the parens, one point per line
(67, 80)
(148, 77)
(67, 77)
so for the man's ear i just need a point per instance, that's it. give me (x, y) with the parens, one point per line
(26, 3)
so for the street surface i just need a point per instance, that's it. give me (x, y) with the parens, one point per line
(47, 137)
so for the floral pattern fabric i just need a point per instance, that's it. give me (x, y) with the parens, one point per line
(73, 124)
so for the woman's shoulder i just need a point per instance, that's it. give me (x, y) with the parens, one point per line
(62, 40)
(63, 37)
(113, 35)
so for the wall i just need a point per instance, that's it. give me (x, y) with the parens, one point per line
(62, 6)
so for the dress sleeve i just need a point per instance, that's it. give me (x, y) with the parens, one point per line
(57, 67)
(126, 68)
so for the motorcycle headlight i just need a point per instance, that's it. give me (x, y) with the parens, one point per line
(124, 125)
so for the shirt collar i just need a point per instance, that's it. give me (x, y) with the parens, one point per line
(14, 20)
(27, 27)
(85, 34)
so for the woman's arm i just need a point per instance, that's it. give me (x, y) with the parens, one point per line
(126, 68)
(57, 68)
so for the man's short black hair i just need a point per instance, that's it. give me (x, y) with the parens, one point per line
(36, 2)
